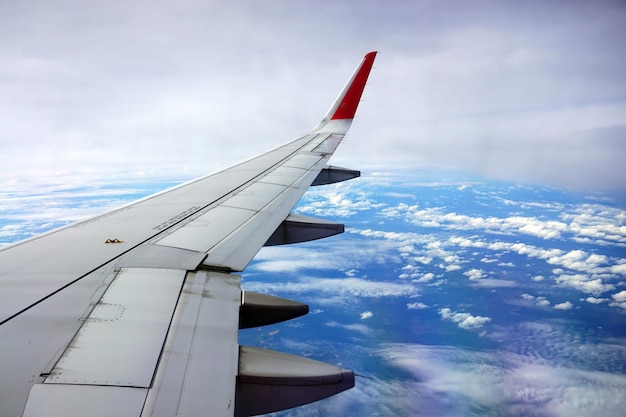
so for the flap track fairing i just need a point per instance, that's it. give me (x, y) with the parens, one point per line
(333, 174)
(296, 228)
(271, 381)
(263, 309)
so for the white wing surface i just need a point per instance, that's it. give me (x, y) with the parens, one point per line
(136, 312)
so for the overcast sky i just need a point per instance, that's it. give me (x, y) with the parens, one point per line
(529, 91)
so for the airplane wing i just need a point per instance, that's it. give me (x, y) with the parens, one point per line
(136, 312)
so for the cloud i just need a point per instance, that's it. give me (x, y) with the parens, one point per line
(564, 306)
(595, 222)
(416, 306)
(464, 320)
(474, 274)
(619, 269)
(366, 315)
(425, 250)
(337, 201)
(488, 261)
(328, 254)
(594, 268)
(426, 277)
(436, 217)
(333, 290)
(594, 300)
(540, 301)
(359, 328)
(520, 384)
(582, 270)
(494, 283)
(562, 345)
(378, 396)
(143, 95)
(591, 223)
(410, 271)
(578, 260)
(451, 268)
(583, 283)
(620, 296)
(619, 299)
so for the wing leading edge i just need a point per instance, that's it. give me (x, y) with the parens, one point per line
(137, 311)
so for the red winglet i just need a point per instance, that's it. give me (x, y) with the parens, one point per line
(351, 98)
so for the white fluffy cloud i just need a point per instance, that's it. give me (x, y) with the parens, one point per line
(474, 274)
(594, 300)
(540, 301)
(366, 315)
(337, 201)
(579, 260)
(564, 306)
(598, 224)
(620, 296)
(419, 249)
(464, 320)
(592, 270)
(619, 269)
(438, 217)
(583, 283)
(619, 299)
(426, 277)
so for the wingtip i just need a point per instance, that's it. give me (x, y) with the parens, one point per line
(340, 115)
(346, 108)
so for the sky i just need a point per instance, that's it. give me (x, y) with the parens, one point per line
(532, 92)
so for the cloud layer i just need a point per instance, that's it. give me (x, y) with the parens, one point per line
(531, 92)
